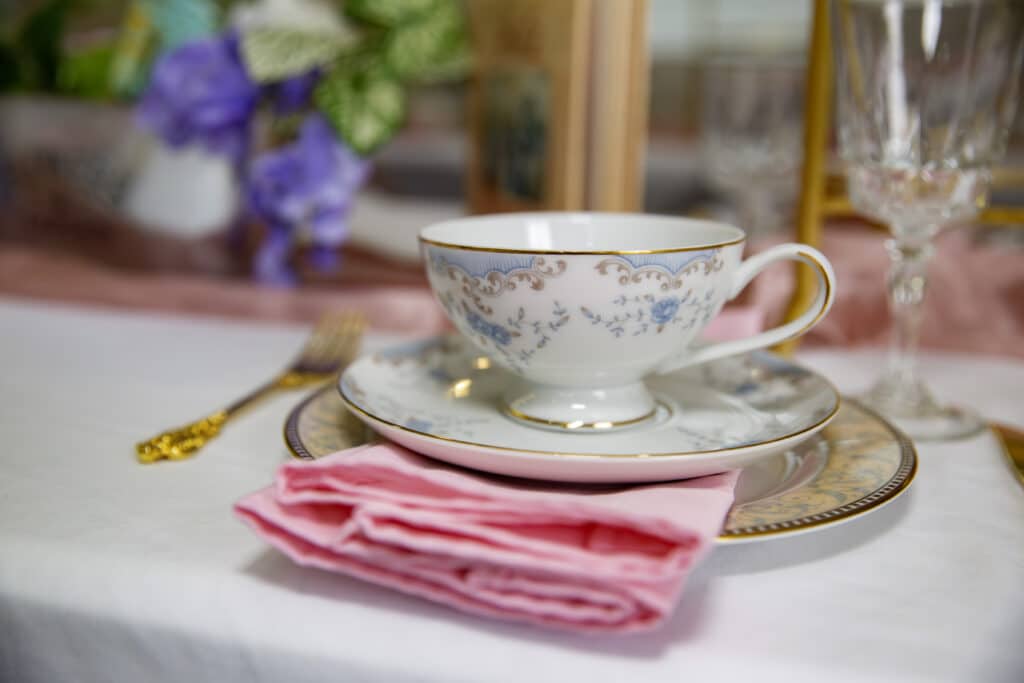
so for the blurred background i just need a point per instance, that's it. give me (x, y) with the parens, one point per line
(100, 202)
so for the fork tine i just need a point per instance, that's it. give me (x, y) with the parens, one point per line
(335, 339)
(328, 327)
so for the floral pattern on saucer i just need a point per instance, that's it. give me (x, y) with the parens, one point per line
(435, 391)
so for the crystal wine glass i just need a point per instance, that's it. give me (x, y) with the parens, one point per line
(751, 123)
(926, 93)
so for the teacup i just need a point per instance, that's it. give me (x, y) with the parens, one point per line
(583, 306)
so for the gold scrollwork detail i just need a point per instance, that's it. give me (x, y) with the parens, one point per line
(630, 274)
(494, 283)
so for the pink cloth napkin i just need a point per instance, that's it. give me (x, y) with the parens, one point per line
(596, 559)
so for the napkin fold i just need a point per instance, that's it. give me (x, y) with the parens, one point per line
(586, 558)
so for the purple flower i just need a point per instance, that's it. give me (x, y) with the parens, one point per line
(200, 92)
(271, 263)
(294, 94)
(308, 185)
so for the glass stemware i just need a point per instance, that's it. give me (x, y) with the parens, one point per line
(926, 92)
(751, 123)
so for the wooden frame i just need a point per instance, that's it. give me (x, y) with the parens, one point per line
(557, 105)
(526, 104)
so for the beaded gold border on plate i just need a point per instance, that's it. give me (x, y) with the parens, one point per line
(882, 449)
(851, 483)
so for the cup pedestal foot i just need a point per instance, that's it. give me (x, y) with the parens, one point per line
(581, 410)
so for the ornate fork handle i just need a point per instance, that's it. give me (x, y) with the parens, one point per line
(183, 442)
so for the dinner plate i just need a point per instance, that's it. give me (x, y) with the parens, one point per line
(855, 465)
(437, 400)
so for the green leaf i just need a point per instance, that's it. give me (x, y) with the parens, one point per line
(87, 73)
(387, 12)
(39, 44)
(9, 77)
(455, 64)
(135, 46)
(365, 105)
(273, 54)
(428, 42)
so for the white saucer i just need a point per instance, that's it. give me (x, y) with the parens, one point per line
(437, 401)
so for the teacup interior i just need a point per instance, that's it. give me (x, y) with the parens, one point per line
(580, 232)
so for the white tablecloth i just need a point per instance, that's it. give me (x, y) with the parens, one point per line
(110, 571)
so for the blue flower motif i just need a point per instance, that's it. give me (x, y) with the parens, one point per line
(477, 323)
(495, 332)
(664, 310)
(500, 335)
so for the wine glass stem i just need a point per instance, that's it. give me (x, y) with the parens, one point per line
(757, 213)
(908, 280)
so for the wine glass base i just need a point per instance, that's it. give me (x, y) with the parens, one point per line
(911, 408)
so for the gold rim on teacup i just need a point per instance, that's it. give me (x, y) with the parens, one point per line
(583, 252)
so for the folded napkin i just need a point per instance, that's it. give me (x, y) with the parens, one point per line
(598, 559)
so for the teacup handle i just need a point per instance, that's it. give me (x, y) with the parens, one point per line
(746, 272)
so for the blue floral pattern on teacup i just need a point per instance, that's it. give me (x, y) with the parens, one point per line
(499, 299)
(492, 331)
(664, 310)
(515, 339)
(647, 314)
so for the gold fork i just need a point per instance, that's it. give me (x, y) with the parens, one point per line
(1013, 447)
(332, 346)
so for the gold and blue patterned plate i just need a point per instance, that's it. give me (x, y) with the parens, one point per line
(855, 465)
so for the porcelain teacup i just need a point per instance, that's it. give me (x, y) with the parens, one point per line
(583, 306)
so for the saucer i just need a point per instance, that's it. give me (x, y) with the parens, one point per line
(728, 413)
(852, 467)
